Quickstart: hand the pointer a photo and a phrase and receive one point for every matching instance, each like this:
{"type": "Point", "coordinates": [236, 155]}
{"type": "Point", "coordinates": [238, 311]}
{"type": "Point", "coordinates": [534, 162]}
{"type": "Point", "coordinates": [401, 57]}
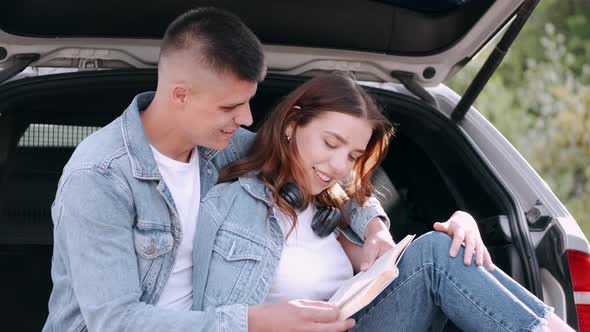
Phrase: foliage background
{"type": "Point", "coordinates": [539, 98]}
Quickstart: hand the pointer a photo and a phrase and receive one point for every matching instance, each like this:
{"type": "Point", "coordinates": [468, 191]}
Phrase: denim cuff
{"type": "Point", "coordinates": [233, 318]}
{"type": "Point", "coordinates": [359, 217]}
{"type": "Point", "coordinates": [350, 235]}
{"type": "Point", "coordinates": [541, 321]}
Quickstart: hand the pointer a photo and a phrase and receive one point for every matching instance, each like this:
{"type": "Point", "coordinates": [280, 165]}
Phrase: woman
{"type": "Point", "coordinates": [272, 242]}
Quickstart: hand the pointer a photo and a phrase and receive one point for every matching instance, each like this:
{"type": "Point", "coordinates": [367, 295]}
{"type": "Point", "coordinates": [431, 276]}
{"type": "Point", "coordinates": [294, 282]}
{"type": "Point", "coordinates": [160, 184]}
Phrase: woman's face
{"type": "Point", "coordinates": [329, 147]}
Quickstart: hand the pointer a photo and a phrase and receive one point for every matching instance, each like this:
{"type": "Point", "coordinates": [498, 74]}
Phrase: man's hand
{"type": "Point", "coordinates": [378, 241]}
{"type": "Point", "coordinates": [297, 315]}
{"type": "Point", "coordinates": [463, 229]}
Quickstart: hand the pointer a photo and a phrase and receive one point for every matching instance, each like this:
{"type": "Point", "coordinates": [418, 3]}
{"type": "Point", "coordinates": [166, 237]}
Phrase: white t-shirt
{"type": "Point", "coordinates": [311, 267]}
{"type": "Point", "coordinates": [183, 181]}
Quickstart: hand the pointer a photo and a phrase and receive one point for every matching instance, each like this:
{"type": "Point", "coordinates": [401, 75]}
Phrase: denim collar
{"type": "Point", "coordinates": [252, 184]}
{"type": "Point", "coordinates": [142, 159]}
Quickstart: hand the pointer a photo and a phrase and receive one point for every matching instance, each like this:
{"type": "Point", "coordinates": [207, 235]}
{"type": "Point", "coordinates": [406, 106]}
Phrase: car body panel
{"type": "Point", "coordinates": [297, 55]}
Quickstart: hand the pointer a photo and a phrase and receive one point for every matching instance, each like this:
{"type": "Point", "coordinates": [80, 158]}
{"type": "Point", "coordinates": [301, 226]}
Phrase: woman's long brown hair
{"type": "Point", "coordinates": [276, 161]}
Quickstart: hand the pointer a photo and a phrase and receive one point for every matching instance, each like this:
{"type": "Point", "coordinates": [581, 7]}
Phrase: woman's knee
{"type": "Point", "coordinates": [438, 240]}
{"type": "Point", "coordinates": [433, 243]}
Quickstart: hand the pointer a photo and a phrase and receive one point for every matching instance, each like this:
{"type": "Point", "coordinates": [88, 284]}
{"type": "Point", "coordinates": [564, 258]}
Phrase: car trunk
{"type": "Point", "coordinates": [430, 171]}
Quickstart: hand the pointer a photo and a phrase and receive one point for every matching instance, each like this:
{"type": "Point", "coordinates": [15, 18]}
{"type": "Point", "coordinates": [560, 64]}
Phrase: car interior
{"type": "Point", "coordinates": [430, 171]}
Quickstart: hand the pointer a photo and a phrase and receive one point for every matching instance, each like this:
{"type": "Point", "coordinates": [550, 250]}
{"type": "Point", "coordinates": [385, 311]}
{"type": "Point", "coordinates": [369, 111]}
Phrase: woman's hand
{"type": "Point", "coordinates": [378, 241]}
{"type": "Point", "coordinates": [297, 315]}
{"type": "Point", "coordinates": [463, 229]}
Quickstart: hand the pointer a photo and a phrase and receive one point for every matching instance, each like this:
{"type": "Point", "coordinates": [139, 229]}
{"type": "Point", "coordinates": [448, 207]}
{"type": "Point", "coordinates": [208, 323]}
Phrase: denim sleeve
{"type": "Point", "coordinates": [94, 237]}
{"type": "Point", "coordinates": [360, 216]}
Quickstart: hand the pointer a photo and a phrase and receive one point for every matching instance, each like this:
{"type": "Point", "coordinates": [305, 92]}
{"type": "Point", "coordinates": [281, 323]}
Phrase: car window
{"type": "Point", "coordinates": [50, 135]}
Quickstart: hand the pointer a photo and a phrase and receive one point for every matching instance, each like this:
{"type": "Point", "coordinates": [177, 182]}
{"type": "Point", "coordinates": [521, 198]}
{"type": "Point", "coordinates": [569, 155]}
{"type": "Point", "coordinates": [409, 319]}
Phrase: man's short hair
{"type": "Point", "coordinates": [222, 39]}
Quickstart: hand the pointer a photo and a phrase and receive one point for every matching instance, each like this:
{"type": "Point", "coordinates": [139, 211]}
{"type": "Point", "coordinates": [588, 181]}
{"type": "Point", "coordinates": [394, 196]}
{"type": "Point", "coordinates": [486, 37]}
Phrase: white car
{"type": "Point", "coordinates": [70, 67]}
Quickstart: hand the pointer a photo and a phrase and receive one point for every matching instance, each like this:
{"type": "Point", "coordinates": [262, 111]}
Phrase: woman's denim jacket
{"type": "Point", "coordinates": [116, 234]}
{"type": "Point", "coordinates": [239, 243]}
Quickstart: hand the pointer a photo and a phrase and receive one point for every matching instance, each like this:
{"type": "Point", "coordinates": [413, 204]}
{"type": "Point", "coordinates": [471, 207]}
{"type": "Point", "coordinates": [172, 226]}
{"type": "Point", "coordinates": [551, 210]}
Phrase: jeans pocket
{"type": "Point", "coordinates": [235, 266]}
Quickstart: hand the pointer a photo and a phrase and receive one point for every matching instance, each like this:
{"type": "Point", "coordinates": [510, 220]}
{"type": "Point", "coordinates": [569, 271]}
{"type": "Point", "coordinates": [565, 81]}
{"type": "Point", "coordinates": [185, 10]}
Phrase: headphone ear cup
{"type": "Point", "coordinates": [292, 195]}
{"type": "Point", "coordinates": [319, 218]}
{"type": "Point", "coordinates": [325, 221]}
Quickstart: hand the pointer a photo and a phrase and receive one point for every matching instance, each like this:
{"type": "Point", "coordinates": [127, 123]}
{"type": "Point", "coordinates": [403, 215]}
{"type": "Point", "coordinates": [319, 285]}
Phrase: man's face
{"type": "Point", "coordinates": [217, 104]}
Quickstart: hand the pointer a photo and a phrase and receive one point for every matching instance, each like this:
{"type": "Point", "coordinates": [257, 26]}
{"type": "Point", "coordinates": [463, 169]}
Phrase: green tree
{"type": "Point", "coordinates": [540, 100]}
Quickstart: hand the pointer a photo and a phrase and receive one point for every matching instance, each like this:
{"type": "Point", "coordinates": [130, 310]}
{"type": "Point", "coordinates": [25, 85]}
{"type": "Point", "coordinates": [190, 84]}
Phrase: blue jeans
{"type": "Point", "coordinates": [433, 286]}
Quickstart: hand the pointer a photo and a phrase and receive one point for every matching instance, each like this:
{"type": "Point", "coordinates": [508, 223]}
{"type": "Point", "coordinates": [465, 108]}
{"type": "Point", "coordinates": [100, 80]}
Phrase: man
{"type": "Point", "coordinates": [126, 205]}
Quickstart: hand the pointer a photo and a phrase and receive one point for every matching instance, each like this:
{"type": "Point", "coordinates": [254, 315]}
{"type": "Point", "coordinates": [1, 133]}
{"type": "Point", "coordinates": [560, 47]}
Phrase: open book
{"type": "Point", "coordinates": [360, 290]}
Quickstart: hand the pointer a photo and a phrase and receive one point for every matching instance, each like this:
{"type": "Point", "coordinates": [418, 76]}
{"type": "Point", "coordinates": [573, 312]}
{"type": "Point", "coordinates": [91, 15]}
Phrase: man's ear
{"type": "Point", "coordinates": [179, 94]}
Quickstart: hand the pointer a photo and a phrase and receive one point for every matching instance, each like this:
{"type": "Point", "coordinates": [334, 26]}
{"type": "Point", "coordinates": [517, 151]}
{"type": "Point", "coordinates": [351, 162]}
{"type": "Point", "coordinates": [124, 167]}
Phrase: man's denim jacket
{"type": "Point", "coordinates": [116, 234]}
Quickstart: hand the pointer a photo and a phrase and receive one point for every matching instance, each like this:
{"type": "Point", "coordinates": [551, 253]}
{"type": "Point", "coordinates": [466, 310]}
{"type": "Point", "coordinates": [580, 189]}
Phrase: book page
{"type": "Point", "coordinates": [361, 289]}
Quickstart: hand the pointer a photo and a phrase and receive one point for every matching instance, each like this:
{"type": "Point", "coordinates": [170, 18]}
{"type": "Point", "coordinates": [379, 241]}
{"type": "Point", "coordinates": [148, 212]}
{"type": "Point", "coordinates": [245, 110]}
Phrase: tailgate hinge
{"type": "Point", "coordinates": [408, 81]}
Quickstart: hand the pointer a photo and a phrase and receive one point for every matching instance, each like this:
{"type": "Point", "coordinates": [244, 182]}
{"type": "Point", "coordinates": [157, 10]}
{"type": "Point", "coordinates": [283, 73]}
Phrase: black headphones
{"type": "Point", "coordinates": [324, 221]}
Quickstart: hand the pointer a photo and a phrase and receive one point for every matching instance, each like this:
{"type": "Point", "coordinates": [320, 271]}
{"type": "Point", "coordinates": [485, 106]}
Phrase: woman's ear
{"type": "Point", "coordinates": [289, 131]}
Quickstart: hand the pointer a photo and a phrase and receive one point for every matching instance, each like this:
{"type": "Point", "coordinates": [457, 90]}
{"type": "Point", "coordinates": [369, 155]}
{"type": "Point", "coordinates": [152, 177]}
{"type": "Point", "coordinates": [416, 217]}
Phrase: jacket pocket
{"type": "Point", "coordinates": [151, 242]}
{"type": "Point", "coordinates": [151, 245]}
{"type": "Point", "coordinates": [235, 267]}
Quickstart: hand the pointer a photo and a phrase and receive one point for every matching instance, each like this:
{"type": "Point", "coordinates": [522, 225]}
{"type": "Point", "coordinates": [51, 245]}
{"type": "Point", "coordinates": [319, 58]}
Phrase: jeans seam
{"type": "Point", "coordinates": [467, 297]}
